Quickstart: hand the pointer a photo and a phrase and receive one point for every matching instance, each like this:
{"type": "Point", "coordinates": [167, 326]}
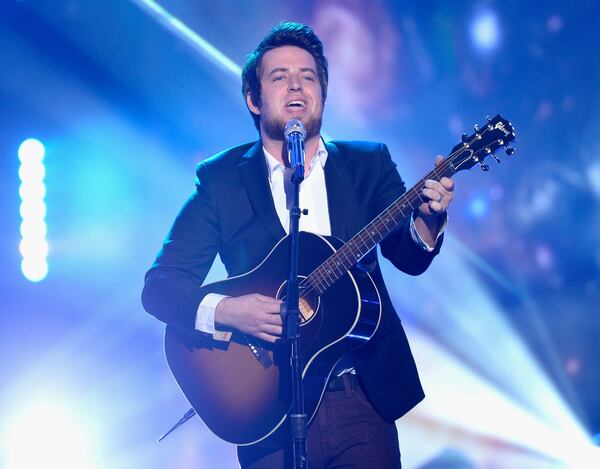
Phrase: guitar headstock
{"type": "Point", "coordinates": [496, 133]}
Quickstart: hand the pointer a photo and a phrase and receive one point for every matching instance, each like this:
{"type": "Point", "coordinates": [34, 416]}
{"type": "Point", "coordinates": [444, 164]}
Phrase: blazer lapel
{"type": "Point", "coordinates": [340, 198]}
{"type": "Point", "coordinates": [253, 170]}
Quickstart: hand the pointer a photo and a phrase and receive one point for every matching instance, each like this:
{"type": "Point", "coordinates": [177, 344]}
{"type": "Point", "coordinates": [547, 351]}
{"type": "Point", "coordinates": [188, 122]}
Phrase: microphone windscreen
{"type": "Point", "coordinates": [294, 126]}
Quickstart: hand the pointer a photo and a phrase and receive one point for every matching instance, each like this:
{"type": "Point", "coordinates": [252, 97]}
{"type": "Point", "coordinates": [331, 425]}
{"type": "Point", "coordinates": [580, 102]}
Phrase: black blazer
{"type": "Point", "coordinates": [232, 213]}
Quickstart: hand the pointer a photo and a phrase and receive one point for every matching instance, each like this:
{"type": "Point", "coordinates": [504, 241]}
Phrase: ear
{"type": "Point", "coordinates": [251, 104]}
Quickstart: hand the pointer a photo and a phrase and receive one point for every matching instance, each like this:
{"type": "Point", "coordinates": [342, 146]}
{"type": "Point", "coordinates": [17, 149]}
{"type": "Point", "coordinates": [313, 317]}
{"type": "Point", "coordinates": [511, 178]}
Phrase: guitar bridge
{"type": "Point", "coordinates": [259, 353]}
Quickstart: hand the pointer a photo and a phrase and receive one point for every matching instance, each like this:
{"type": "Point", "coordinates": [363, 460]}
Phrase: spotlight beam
{"type": "Point", "coordinates": [188, 36]}
{"type": "Point", "coordinates": [530, 306]}
{"type": "Point", "coordinates": [459, 397]}
{"type": "Point", "coordinates": [483, 358]}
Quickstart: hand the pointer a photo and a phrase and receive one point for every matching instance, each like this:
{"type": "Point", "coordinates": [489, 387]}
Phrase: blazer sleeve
{"type": "Point", "coordinates": [399, 247]}
{"type": "Point", "coordinates": [172, 289]}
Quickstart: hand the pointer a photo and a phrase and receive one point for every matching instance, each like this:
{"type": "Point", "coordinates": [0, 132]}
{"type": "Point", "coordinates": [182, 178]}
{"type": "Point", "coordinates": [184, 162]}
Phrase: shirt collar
{"type": "Point", "coordinates": [273, 164]}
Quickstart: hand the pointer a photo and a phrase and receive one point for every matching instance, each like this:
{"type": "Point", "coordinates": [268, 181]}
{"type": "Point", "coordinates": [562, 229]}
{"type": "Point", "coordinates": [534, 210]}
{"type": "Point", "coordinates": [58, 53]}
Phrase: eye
{"type": "Point", "coordinates": [308, 77]}
{"type": "Point", "coordinates": [278, 78]}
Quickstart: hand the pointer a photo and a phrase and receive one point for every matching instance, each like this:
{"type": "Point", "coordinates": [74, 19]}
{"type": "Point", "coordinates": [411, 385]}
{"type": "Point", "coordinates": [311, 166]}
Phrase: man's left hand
{"type": "Point", "coordinates": [431, 213]}
{"type": "Point", "coordinates": [437, 195]}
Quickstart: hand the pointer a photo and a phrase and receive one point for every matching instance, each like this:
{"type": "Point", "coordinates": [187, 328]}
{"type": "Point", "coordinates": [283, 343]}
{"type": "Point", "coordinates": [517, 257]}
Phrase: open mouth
{"type": "Point", "coordinates": [296, 104]}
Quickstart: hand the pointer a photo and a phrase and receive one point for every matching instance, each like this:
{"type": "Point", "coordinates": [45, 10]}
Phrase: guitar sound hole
{"type": "Point", "coordinates": [309, 302]}
{"type": "Point", "coordinates": [306, 311]}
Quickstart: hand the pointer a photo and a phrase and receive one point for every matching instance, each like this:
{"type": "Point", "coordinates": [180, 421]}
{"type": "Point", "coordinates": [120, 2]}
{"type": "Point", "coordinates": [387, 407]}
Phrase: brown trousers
{"type": "Point", "coordinates": [345, 433]}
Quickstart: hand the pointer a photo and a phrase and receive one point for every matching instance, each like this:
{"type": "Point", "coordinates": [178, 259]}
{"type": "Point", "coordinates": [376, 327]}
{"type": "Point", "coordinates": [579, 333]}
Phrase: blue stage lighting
{"type": "Point", "coordinates": [478, 207]}
{"type": "Point", "coordinates": [32, 169]}
{"type": "Point", "coordinates": [46, 435]}
{"type": "Point", "coordinates": [34, 270]}
{"type": "Point", "coordinates": [35, 247]}
{"type": "Point", "coordinates": [32, 191]}
{"type": "Point", "coordinates": [32, 227]}
{"type": "Point", "coordinates": [593, 174]}
{"type": "Point", "coordinates": [31, 150]}
{"type": "Point", "coordinates": [188, 36]}
{"type": "Point", "coordinates": [32, 209]}
{"type": "Point", "coordinates": [485, 31]}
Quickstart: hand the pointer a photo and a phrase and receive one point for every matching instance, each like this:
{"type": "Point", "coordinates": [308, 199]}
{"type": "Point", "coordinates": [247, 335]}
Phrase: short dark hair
{"type": "Point", "coordinates": [282, 34]}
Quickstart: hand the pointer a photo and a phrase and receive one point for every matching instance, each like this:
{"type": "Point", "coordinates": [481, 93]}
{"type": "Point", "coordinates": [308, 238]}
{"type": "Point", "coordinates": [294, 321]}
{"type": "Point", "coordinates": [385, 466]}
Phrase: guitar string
{"type": "Point", "coordinates": [407, 197]}
{"type": "Point", "coordinates": [393, 211]}
{"type": "Point", "coordinates": [372, 231]}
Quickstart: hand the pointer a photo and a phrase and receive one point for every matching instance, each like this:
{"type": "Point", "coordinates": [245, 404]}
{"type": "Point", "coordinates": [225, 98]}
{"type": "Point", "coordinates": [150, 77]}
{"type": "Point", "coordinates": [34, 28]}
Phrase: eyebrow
{"type": "Point", "coordinates": [285, 69]}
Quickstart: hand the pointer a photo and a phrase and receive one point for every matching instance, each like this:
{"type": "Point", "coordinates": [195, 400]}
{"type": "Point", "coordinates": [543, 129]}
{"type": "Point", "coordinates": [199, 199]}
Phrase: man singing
{"type": "Point", "coordinates": [240, 210]}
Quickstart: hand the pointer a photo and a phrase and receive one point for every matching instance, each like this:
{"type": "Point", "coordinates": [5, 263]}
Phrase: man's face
{"type": "Point", "coordinates": [290, 89]}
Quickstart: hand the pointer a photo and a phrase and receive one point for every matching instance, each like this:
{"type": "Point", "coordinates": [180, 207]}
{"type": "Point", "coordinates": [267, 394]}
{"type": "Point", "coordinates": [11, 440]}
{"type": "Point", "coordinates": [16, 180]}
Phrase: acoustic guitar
{"type": "Point", "coordinates": [241, 389]}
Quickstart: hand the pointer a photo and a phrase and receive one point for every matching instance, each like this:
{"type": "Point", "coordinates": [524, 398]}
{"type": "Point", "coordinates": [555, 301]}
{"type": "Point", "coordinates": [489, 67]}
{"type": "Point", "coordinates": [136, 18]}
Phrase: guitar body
{"type": "Point", "coordinates": [241, 389]}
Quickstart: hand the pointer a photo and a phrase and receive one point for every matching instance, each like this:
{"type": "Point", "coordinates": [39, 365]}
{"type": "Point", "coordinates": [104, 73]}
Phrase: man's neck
{"type": "Point", "coordinates": [278, 149]}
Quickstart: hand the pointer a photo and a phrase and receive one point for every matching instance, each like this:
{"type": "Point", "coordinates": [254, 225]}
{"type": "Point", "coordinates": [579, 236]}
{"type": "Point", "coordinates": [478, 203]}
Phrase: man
{"type": "Point", "coordinates": [239, 210]}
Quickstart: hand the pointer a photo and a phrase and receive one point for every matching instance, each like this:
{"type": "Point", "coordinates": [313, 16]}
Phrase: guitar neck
{"type": "Point", "coordinates": [378, 229]}
{"type": "Point", "coordinates": [473, 149]}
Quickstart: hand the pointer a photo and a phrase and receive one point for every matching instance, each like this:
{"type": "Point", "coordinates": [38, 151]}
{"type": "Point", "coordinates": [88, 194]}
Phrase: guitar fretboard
{"type": "Point", "coordinates": [496, 133]}
{"type": "Point", "coordinates": [366, 239]}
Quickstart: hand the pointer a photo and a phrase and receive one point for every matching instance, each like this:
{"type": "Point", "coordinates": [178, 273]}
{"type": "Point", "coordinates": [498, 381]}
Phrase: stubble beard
{"type": "Point", "coordinates": [274, 128]}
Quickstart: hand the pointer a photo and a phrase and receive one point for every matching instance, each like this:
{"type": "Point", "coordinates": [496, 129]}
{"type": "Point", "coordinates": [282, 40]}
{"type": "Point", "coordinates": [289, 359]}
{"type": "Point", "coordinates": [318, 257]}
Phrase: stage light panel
{"type": "Point", "coordinates": [32, 191]}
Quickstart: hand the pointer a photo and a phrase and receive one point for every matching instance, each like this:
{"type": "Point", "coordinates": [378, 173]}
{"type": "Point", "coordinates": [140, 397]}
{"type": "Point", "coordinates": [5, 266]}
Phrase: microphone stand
{"type": "Point", "coordinates": [297, 416]}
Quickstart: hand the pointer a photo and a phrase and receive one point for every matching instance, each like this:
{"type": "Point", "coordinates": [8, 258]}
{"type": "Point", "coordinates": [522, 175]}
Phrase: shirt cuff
{"type": "Point", "coordinates": [205, 317]}
{"type": "Point", "coordinates": [417, 237]}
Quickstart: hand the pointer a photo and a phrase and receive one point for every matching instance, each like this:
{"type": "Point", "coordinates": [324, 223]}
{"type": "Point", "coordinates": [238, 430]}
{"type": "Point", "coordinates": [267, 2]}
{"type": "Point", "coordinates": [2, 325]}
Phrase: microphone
{"type": "Point", "coordinates": [294, 135]}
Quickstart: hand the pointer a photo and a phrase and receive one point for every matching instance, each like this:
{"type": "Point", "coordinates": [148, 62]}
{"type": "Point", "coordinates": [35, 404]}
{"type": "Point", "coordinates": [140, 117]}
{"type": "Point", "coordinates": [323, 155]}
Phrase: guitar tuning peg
{"type": "Point", "coordinates": [484, 167]}
{"type": "Point", "coordinates": [496, 157]}
{"type": "Point", "coordinates": [476, 127]}
{"type": "Point", "coordinates": [488, 118]}
{"type": "Point", "coordinates": [510, 151]}
{"type": "Point", "coordinates": [464, 138]}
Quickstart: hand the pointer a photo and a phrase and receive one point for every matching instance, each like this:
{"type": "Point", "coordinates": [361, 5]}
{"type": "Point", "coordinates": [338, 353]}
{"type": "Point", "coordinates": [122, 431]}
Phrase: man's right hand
{"type": "Point", "coordinates": [254, 314]}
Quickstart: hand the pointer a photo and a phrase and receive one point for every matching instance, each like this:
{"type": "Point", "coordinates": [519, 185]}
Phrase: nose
{"type": "Point", "coordinates": [294, 84]}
